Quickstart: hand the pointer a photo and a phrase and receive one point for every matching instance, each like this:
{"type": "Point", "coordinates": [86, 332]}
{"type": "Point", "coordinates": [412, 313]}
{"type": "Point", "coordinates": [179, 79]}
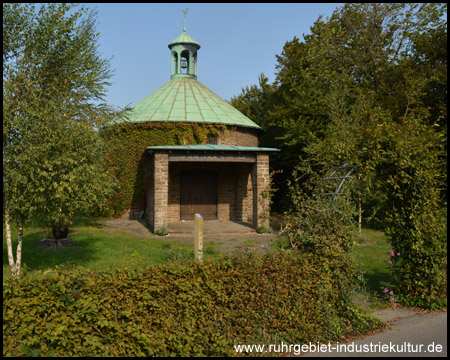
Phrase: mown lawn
{"type": "Point", "coordinates": [99, 251]}
{"type": "Point", "coordinates": [96, 249]}
{"type": "Point", "coordinates": [371, 254]}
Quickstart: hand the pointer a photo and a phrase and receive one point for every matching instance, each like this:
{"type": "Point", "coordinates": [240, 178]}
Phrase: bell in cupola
{"type": "Point", "coordinates": [184, 55]}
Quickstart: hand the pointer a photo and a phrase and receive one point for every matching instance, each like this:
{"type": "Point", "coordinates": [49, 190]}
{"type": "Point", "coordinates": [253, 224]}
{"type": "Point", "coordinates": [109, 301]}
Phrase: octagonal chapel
{"type": "Point", "coordinates": [225, 178]}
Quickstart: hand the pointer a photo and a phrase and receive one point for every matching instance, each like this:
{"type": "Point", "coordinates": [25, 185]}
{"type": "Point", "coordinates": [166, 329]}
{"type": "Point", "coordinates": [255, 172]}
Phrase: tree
{"type": "Point", "coordinates": [368, 86]}
{"type": "Point", "coordinates": [54, 82]}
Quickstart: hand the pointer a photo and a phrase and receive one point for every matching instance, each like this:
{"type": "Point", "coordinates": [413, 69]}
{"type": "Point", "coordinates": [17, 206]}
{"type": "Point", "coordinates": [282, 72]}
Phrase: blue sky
{"type": "Point", "coordinates": [238, 42]}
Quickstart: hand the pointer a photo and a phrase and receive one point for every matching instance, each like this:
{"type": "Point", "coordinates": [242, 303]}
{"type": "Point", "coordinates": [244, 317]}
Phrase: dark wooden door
{"type": "Point", "coordinates": [198, 194]}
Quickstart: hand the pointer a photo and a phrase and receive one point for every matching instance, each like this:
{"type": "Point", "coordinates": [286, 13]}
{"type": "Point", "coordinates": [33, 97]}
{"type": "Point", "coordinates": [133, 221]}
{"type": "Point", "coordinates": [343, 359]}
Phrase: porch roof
{"type": "Point", "coordinates": [211, 153]}
{"type": "Point", "coordinates": [210, 147]}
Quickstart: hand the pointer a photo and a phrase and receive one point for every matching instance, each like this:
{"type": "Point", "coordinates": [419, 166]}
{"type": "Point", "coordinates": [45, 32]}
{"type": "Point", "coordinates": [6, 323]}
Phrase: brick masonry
{"type": "Point", "coordinates": [238, 137]}
{"type": "Point", "coordinates": [160, 191]}
{"type": "Point", "coordinates": [261, 180]}
{"type": "Point", "coordinates": [241, 186]}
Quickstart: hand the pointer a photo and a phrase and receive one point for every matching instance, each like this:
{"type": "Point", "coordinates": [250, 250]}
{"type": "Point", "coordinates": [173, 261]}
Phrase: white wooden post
{"type": "Point", "coordinates": [198, 241]}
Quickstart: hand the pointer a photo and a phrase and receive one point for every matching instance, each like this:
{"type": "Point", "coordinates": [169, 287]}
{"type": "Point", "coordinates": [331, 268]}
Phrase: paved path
{"type": "Point", "coordinates": [227, 236]}
{"type": "Point", "coordinates": [411, 334]}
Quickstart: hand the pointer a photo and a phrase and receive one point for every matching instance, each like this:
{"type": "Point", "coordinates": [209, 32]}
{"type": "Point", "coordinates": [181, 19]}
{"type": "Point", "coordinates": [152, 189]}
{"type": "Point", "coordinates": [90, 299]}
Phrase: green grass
{"type": "Point", "coordinates": [371, 254]}
{"type": "Point", "coordinates": [97, 250]}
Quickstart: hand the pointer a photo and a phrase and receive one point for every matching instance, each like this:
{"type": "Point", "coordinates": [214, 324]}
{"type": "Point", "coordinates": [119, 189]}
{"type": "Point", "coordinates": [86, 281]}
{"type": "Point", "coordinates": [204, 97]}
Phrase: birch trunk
{"type": "Point", "coordinates": [13, 265]}
{"type": "Point", "coordinates": [19, 248]}
{"type": "Point", "coordinates": [359, 210]}
{"type": "Point", "coordinates": [360, 215]}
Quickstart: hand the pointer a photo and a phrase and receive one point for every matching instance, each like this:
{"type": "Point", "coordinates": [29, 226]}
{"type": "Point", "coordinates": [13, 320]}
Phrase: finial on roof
{"type": "Point", "coordinates": [185, 13]}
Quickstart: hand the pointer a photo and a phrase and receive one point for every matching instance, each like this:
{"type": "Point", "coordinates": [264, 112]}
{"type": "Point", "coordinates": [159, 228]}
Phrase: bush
{"type": "Point", "coordinates": [180, 310]}
{"type": "Point", "coordinates": [418, 264]}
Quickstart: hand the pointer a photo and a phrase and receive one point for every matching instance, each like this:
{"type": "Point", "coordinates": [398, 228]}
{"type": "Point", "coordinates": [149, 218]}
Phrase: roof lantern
{"type": "Point", "coordinates": [183, 98]}
{"type": "Point", "coordinates": [184, 55]}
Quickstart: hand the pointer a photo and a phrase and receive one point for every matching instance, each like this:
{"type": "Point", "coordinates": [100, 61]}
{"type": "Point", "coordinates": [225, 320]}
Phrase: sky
{"type": "Point", "coordinates": [238, 42]}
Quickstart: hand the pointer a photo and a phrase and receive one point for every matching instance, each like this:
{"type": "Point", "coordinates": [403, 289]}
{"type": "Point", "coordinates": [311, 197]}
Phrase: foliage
{"type": "Point", "coordinates": [319, 224]}
{"type": "Point", "coordinates": [368, 86]}
{"type": "Point", "coordinates": [162, 231]}
{"type": "Point", "coordinates": [264, 230]}
{"type": "Point", "coordinates": [127, 159]}
{"type": "Point", "coordinates": [180, 310]}
{"type": "Point", "coordinates": [53, 85]}
{"type": "Point", "coordinates": [378, 56]}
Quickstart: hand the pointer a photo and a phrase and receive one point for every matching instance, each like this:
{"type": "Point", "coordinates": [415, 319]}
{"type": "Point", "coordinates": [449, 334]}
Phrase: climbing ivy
{"type": "Point", "coordinates": [127, 144]}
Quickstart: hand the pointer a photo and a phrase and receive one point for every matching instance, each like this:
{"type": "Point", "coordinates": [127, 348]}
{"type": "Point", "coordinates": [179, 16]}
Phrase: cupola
{"type": "Point", "coordinates": [184, 55]}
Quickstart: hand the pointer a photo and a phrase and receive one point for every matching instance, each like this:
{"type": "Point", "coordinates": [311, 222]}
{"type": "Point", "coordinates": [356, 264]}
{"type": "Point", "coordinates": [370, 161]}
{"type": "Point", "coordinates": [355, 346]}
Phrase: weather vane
{"type": "Point", "coordinates": [185, 13]}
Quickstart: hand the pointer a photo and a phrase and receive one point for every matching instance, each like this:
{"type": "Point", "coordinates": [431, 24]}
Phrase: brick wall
{"type": "Point", "coordinates": [238, 137]}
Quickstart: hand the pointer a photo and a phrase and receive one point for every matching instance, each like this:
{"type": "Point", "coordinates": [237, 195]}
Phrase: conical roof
{"type": "Point", "coordinates": [183, 98]}
{"type": "Point", "coordinates": [184, 38]}
{"type": "Point", "coordinates": [187, 100]}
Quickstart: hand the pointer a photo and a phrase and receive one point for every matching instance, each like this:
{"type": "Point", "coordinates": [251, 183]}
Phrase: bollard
{"type": "Point", "coordinates": [198, 238]}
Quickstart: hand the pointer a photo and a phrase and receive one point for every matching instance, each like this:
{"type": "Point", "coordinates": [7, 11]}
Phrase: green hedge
{"type": "Point", "coordinates": [181, 309]}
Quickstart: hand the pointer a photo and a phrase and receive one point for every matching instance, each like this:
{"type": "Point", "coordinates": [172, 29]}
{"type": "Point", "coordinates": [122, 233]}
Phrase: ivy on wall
{"type": "Point", "coordinates": [129, 162]}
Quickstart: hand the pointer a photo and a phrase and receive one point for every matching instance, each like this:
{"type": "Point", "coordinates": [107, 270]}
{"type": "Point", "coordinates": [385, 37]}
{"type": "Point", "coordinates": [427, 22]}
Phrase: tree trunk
{"type": "Point", "coordinates": [19, 248]}
{"type": "Point", "coordinates": [13, 265]}
{"type": "Point", "coordinates": [360, 215]}
{"type": "Point", "coordinates": [359, 210]}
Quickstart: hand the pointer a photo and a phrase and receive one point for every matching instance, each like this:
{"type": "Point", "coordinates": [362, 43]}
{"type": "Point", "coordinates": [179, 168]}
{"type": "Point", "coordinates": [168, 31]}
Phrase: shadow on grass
{"type": "Point", "coordinates": [37, 257]}
{"type": "Point", "coordinates": [371, 254]}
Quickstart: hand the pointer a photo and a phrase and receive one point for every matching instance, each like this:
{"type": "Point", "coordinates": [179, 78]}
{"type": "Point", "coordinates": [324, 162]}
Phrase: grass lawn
{"type": "Point", "coordinates": [371, 254]}
{"type": "Point", "coordinates": [99, 250]}
{"type": "Point", "coordinates": [96, 249]}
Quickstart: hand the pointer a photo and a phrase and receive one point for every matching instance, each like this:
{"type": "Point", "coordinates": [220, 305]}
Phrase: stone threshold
{"type": "Point", "coordinates": [212, 227]}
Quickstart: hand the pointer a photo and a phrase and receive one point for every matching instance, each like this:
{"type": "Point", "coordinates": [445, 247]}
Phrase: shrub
{"type": "Point", "coordinates": [418, 264]}
{"type": "Point", "coordinates": [180, 309]}
{"type": "Point", "coordinates": [162, 231]}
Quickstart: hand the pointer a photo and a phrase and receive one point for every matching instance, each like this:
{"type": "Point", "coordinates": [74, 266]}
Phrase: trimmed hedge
{"type": "Point", "coordinates": [181, 309]}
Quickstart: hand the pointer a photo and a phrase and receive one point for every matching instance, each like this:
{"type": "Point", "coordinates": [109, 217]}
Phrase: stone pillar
{"type": "Point", "coordinates": [160, 190]}
{"type": "Point", "coordinates": [260, 181]}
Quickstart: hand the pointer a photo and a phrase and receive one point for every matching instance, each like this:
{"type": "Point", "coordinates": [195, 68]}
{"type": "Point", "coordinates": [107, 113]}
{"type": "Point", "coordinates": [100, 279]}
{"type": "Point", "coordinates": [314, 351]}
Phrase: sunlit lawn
{"type": "Point", "coordinates": [371, 254]}
{"type": "Point", "coordinates": [96, 249]}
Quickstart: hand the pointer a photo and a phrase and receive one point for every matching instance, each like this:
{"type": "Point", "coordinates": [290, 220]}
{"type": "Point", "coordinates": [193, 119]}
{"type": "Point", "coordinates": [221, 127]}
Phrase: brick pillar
{"type": "Point", "coordinates": [260, 181]}
{"type": "Point", "coordinates": [244, 194]}
{"type": "Point", "coordinates": [160, 190]}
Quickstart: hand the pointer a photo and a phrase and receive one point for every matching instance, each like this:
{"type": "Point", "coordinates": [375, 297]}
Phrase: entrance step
{"type": "Point", "coordinates": [211, 227]}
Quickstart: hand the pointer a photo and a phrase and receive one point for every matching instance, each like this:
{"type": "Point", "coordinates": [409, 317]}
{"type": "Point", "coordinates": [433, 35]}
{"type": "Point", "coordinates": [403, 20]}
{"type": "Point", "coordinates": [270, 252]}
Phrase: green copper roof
{"type": "Point", "coordinates": [187, 100]}
{"type": "Point", "coordinates": [184, 38]}
{"type": "Point", "coordinates": [209, 147]}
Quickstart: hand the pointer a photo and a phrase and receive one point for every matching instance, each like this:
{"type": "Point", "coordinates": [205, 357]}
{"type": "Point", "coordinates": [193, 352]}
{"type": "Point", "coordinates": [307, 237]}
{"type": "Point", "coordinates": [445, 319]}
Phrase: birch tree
{"type": "Point", "coordinates": [54, 83]}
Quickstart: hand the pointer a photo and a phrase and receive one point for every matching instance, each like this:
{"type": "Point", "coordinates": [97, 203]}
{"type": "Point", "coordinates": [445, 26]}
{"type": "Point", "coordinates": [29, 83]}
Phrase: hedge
{"type": "Point", "coordinates": [181, 309]}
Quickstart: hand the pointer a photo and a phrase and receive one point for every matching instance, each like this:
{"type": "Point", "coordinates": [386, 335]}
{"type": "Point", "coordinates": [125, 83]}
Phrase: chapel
{"type": "Point", "coordinates": [224, 178]}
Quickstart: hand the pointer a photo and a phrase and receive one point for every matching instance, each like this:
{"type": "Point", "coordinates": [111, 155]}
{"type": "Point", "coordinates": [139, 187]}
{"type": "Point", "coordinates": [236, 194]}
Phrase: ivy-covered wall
{"type": "Point", "coordinates": [130, 165]}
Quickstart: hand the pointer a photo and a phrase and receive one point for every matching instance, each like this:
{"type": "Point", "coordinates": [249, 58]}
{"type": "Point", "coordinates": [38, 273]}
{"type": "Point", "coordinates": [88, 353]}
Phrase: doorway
{"type": "Point", "coordinates": [198, 194]}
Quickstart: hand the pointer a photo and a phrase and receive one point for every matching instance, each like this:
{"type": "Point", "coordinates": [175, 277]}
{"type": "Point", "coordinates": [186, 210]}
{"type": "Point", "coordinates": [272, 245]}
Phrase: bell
{"type": "Point", "coordinates": [183, 64]}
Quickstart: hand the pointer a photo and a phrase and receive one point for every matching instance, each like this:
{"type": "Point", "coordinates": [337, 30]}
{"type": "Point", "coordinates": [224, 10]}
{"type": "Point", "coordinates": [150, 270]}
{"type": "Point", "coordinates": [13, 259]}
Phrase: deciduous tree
{"type": "Point", "coordinates": [54, 83]}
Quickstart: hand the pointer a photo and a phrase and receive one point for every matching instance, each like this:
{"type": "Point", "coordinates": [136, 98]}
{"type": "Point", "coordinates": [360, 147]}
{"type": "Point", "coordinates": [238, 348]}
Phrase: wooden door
{"type": "Point", "coordinates": [198, 194]}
